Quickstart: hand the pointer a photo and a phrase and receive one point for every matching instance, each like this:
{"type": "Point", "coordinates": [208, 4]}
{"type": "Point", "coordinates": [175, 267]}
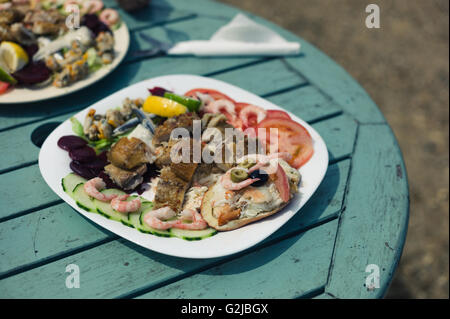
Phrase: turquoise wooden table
{"type": "Point", "coordinates": [347, 239]}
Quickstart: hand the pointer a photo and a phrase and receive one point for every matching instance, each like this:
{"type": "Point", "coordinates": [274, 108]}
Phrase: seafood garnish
{"type": "Point", "coordinates": [83, 35]}
{"type": "Point", "coordinates": [192, 197]}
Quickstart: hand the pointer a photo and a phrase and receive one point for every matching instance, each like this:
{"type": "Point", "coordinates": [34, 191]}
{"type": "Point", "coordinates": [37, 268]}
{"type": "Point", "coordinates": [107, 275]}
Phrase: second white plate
{"type": "Point", "coordinates": [27, 95]}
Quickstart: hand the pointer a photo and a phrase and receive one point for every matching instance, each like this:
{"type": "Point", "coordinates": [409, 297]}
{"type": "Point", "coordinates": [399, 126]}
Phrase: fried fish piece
{"type": "Point", "coordinates": [162, 132]}
{"type": "Point", "coordinates": [170, 190]}
{"type": "Point", "coordinates": [129, 153]}
{"type": "Point", "coordinates": [126, 179]}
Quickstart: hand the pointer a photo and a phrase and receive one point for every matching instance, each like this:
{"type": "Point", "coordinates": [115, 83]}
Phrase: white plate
{"type": "Point", "coordinates": [26, 95]}
{"type": "Point", "coordinates": [54, 165]}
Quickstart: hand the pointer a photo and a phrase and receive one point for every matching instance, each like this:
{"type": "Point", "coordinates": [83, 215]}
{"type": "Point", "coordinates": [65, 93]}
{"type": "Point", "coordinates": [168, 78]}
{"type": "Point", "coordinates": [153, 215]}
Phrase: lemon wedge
{"type": "Point", "coordinates": [13, 56]}
{"type": "Point", "coordinates": [163, 107]}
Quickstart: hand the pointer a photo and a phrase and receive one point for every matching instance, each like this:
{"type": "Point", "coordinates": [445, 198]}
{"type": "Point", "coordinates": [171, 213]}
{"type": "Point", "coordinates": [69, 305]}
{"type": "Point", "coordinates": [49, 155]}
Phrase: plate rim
{"type": "Point", "coordinates": [96, 77]}
{"type": "Point", "coordinates": [104, 223]}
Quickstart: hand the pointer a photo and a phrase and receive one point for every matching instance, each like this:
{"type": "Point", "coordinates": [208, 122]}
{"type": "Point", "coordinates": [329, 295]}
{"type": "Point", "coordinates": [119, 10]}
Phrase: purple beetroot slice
{"type": "Point", "coordinates": [71, 142]}
{"type": "Point", "coordinates": [81, 170]}
{"type": "Point", "coordinates": [32, 73]}
{"type": "Point", "coordinates": [96, 164]}
{"type": "Point", "coordinates": [83, 154]}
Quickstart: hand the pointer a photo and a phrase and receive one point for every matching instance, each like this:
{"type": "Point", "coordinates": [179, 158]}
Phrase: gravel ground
{"type": "Point", "coordinates": [404, 66]}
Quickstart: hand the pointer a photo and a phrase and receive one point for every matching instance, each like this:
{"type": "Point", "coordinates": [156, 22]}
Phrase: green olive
{"type": "Point", "coordinates": [247, 163]}
{"type": "Point", "coordinates": [238, 175]}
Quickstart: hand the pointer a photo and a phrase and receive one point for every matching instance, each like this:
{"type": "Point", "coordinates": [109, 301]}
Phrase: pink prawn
{"type": "Point", "coordinates": [227, 183]}
{"type": "Point", "coordinates": [218, 105]}
{"type": "Point", "coordinates": [93, 188]}
{"type": "Point", "coordinates": [206, 99]}
{"type": "Point", "coordinates": [196, 220]}
{"type": "Point", "coordinates": [109, 16]}
{"type": "Point", "coordinates": [252, 109]}
{"type": "Point", "coordinates": [158, 218]}
{"type": "Point", "coordinates": [121, 204]}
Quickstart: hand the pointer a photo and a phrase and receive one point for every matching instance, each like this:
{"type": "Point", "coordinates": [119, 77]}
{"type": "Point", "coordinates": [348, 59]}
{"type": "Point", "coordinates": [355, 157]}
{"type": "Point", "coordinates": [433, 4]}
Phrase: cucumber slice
{"type": "Point", "coordinates": [193, 234]}
{"type": "Point", "coordinates": [69, 182]}
{"type": "Point", "coordinates": [134, 218]}
{"type": "Point", "coordinates": [144, 228]}
{"type": "Point", "coordinates": [105, 209]}
{"type": "Point", "coordinates": [82, 199]}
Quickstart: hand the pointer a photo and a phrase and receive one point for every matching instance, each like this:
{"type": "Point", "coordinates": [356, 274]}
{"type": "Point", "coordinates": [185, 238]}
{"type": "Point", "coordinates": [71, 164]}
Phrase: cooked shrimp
{"type": "Point", "coordinates": [196, 221]}
{"type": "Point", "coordinates": [216, 106]}
{"type": "Point", "coordinates": [93, 188]}
{"type": "Point", "coordinates": [109, 16]}
{"type": "Point", "coordinates": [252, 109]}
{"type": "Point", "coordinates": [206, 99]}
{"type": "Point", "coordinates": [121, 204]}
{"type": "Point", "coordinates": [158, 218]}
{"type": "Point", "coordinates": [227, 183]}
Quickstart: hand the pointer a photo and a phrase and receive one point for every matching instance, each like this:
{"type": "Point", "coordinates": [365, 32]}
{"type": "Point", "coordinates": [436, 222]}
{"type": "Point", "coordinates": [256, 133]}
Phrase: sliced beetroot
{"type": "Point", "coordinates": [31, 49]}
{"type": "Point", "coordinates": [32, 73]}
{"type": "Point", "coordinates": [71, 142]}
{"type": "Point", "coordinates": [83, 154]}
{"type": "Point", "coordinates": [94, 24]}
{"type": "Point", "coordinates": [103, 156]}
{"type": "Point", "coordinates": [96, 164]}
{"type": "Point", "coordinates": [82, 170]}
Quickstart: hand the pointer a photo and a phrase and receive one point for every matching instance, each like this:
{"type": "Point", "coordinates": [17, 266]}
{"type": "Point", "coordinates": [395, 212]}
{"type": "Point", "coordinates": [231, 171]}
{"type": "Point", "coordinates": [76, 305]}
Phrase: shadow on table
{"type": "Point", "coordinates": [314, 213]}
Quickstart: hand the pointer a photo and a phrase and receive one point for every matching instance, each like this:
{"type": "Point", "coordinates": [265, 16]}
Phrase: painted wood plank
{"type": "Point", "coordinates": [23, 151]}
{"type": "Point", "coordinates": [112, 270]}
{"type": "Point", "coordinates": [323, 296]}
{"type": "Point", "coordinates": [288, 269]}
{"type": "Point", "coordinates": [331, 78]}
{"type": "Point", "coordinates": [306, 102]}
{"type": "Point", "coordinates": [61, 230]}
{"type": "Point", "coordinates": [22, 190]}
{"type": "Point", "coordinates": [338, 132]}
{"type": "Point", "coordinates": [38, 236]}
{"type": "Point", "coordinates": [373, 225]}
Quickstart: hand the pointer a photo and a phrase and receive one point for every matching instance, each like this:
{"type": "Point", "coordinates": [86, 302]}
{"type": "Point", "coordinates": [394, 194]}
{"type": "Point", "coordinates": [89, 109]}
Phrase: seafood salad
{"type": "Point", "coordinates": [54, 42]}
{"type": "Point", "coordinates": [167, 165]}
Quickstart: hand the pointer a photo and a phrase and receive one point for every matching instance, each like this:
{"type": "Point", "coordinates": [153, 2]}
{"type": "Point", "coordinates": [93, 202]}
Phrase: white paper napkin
{"type": "Point", "coordinates": [240, 37]}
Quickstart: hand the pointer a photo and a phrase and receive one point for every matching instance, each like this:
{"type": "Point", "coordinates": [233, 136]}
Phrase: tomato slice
{"type": "Point", "coordinates": [216, 95]}
{"type": "Point", "coordinates": [3, 87]}
{"type": "Point", "coordinates": [278, 114]}
{"type": "Point", "coordinates": [292, 138]}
